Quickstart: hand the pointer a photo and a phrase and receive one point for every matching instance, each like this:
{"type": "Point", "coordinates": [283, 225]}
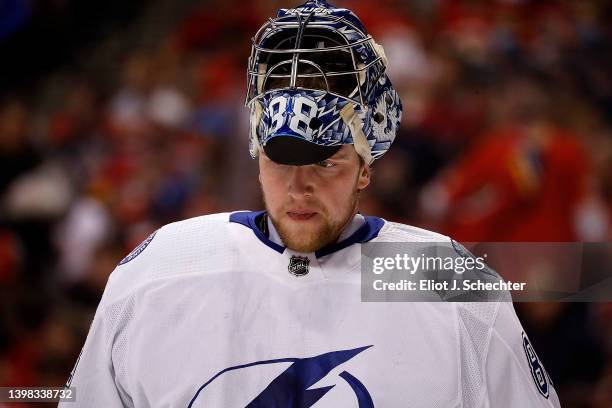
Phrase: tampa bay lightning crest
{"type": "Point", "coordinates": [293, 387]}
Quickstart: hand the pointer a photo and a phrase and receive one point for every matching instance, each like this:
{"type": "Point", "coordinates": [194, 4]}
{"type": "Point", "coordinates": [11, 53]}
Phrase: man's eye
{"type": "Point", "coordinates": [326, 164]}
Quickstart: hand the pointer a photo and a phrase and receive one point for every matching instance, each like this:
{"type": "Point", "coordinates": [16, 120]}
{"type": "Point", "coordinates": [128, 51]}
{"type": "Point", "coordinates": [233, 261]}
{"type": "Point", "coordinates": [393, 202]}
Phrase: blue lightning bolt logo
{"type": "Point", "coordinates": [291, 389]}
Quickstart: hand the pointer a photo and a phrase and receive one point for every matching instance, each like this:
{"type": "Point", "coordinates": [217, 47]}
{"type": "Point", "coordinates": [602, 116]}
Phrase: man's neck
{"type": "Point", "coordinates": [353, 225]}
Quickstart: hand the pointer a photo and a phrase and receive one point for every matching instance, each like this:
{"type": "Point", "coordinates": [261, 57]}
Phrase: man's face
{"type": "Point", "coordinates": [310, 205]}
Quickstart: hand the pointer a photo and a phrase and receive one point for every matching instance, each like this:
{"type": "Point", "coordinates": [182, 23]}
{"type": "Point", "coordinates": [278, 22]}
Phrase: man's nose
{"type": "Point", "coordinates": [300, 181]}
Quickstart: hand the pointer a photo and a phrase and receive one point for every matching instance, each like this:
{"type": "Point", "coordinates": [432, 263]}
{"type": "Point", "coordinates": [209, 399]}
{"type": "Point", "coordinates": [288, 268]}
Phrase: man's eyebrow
{"type": "Point", "coordinates": [340, 154]}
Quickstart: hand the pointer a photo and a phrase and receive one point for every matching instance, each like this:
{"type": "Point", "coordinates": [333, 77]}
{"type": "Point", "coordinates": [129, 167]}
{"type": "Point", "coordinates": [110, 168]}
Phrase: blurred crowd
{"type": "Point", "coordinates": [506, 136]}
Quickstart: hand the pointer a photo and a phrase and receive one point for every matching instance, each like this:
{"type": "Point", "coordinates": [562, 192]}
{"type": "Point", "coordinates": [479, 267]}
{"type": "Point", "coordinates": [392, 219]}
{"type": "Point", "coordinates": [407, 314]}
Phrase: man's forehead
{"type": "Point", "coordinates": [345, 151]}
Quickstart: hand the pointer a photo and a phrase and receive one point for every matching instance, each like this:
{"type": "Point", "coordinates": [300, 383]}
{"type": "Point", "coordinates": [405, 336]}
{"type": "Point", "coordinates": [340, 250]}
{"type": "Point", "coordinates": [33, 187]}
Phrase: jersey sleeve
{"type": "Point", "coordinates": [96, 374]}
{"type": "Point", "coordinates": [514, 375]}
{"type": "Point", "coordinates": [100, 377]}
{"type": "Point", "coordinates": [105, 374]}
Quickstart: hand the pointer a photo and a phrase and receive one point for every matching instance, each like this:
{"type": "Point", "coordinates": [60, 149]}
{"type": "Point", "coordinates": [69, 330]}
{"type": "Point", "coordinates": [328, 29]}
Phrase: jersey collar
{"type": "Point", "coordinates": [368, 231]}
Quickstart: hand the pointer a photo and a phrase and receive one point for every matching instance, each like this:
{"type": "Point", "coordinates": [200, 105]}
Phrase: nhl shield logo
{"type": "Point", "coordinates": [298, 265]}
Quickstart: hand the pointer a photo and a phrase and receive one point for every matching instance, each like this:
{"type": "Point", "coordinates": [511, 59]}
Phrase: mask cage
{"type": "Point", "coordinates": [313, 53]}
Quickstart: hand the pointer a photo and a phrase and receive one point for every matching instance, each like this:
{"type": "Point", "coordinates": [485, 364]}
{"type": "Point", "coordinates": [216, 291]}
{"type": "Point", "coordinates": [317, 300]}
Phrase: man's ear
{"type": "Point", "coordinates": [365, 174]}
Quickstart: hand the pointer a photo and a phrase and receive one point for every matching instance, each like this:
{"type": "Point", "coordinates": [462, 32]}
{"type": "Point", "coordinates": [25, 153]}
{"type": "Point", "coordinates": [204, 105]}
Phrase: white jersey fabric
{"type": "Point", "coordinates": [205, 313]}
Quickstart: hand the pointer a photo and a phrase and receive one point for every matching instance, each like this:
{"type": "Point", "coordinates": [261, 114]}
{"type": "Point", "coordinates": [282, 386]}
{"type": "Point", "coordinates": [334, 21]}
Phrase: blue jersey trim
{"type": "Point", "coordinates": [247, 218]}
{"type": "Point", "coordinates": [368, 231]}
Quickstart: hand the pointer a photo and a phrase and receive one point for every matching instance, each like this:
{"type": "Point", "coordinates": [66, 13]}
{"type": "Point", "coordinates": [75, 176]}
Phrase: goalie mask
{"type": "Point", "coordinates": [316, 81]}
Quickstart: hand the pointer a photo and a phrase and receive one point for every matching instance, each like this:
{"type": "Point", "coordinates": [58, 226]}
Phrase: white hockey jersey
{"type": "Point", "coordinates": [205, 313]}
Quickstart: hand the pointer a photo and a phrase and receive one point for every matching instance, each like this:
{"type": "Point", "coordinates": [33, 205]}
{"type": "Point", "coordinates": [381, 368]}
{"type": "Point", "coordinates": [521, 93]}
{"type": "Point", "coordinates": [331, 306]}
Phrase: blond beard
{"type": "Point", "coordinates": [310, 241]}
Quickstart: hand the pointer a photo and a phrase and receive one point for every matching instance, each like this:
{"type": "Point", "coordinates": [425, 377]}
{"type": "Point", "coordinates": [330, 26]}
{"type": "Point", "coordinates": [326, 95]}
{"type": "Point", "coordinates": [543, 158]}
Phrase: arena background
{"type": "Point", "coordinates": [118, 117]}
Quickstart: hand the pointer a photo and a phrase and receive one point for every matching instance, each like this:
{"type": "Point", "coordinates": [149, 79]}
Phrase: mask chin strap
{"type": "Point", "coordinates": [263, 67]}
{"type": "Point", "coordinates": [355, 124]}
{"type": "Point", "coordinates": [256, 113]}
{"type": "Point", "coordinates": [380, 51]}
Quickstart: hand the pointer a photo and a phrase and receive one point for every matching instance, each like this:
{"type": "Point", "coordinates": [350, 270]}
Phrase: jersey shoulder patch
{"type": "Point", "coordinates": [538, 373]}
{"type": "Point", "coordinates": [181, 234]}
{"type": "Point", "coordinates": [138, 250]}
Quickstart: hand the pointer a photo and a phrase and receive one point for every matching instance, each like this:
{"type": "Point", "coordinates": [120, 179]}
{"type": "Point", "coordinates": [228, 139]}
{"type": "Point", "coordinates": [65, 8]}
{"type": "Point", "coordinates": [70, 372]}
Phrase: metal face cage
{"type": "Point", "coordinates": [314, 52]}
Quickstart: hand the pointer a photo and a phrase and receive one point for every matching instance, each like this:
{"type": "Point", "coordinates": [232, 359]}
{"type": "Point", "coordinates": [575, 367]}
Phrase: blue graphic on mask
{"type": "Point", "coordinates": [291, 388]}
